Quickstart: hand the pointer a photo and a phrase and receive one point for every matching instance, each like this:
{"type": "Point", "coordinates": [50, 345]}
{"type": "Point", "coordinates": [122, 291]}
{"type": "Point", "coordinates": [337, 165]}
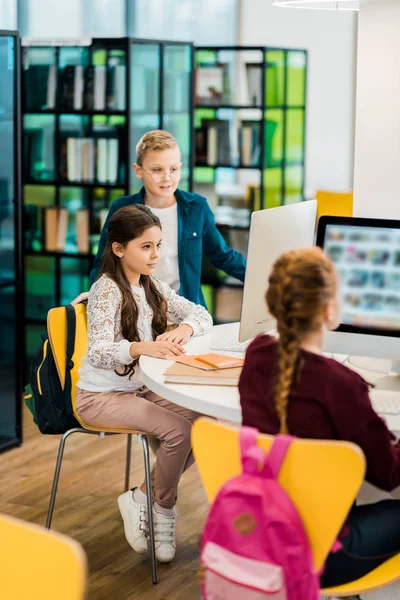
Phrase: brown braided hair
{"type": "Point", "coordinates": [129, 223]}
{"type": "Point", "coordinates": [301, 284]}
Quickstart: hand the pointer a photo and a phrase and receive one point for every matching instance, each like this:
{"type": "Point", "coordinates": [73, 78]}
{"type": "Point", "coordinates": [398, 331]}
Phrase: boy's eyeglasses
{"type": "Point", "coordinates": [160, 175]}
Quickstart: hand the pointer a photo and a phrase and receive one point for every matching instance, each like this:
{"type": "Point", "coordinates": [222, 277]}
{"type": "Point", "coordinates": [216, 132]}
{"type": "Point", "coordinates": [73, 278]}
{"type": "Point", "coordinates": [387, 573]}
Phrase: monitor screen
{"type": "Point", "coordinates": [366, 254]}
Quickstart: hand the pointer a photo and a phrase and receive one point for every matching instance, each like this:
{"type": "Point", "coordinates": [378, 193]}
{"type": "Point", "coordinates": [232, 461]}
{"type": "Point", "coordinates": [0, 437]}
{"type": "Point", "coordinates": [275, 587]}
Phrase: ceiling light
{"type": "Point", "coordinates": [319, 4]}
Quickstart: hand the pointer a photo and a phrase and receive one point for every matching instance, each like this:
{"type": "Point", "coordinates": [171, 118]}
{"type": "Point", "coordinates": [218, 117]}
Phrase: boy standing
{"type": "Point", "coordinates": [187, 221]}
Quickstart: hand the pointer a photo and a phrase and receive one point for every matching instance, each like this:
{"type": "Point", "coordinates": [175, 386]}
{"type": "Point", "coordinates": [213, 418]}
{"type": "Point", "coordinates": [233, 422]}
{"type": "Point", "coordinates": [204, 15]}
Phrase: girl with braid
{"type": "Point", "coordinates": [289, 386]}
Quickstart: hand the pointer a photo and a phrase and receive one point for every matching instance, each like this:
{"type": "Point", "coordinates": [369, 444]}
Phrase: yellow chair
{"type": "Point", "coordinates": [322, 478]}
{"type": "Point", "coordinates": [57, 332]}
{"type": "Point", "coordinates": [37, 564]}
{"type": "Point", "coordinates": [336, 204]}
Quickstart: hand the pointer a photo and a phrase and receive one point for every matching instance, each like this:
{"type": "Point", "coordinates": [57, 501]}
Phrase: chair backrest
{"type": "Point", "coordinates": [57, 331]}
{"type": "Point", "coordinates": [39, 564]}
{"type": "Point", "coordinates": [321, 477]}
{"type": "Point", "coordinates": [335, 204]}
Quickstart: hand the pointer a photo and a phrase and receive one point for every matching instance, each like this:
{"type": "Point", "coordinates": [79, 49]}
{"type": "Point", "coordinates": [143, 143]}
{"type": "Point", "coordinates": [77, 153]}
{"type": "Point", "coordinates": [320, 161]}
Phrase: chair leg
{"type": "Point", "coordinates": [58, 469]}
{"type": "Point", "coordinates": [146, 454]}
{"type": "Point", "coordinates": [128, 461]}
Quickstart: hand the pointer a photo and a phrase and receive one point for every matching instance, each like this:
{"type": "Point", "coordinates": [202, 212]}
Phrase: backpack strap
{"type": "Point", "coordinates": [71, 330]}
{"type": "Point", "coordinates": [276, 455]}
{"type": "Point", "coordinates": [252, 456]}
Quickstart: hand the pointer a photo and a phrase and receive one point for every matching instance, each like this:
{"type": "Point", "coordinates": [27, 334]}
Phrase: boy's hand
{"type": "Point", "coordinates": [180, 335]}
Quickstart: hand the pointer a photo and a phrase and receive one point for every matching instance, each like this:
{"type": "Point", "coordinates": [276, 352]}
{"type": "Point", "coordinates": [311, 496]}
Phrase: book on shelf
{"type": "Point", "coordinates": [82, 230]}
{"type": "Point", "coordinates": [75, 87]}
{"type": "Point", "coordinates": [210, 361]}
{"type": "Point", "coordinates": [180, 373]}
{"type": "Point", "coordinates": [249, 143]}
{"type": "Point", "coordinates": [214, 142]}
{"type": "Point", "coordinates": [254, 83]}
{"type": "Point", "coordinates": [55, 228]}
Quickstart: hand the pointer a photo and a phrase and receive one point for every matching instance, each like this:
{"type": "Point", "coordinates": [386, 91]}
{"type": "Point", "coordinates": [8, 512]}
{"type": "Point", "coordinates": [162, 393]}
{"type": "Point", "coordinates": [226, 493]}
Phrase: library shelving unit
{"type": "Point", "coordinates": [85, 106]}
{"type": "Point", "coordinates": [250, 117]}
{"type": "Point", "coordinates": [11, 244]}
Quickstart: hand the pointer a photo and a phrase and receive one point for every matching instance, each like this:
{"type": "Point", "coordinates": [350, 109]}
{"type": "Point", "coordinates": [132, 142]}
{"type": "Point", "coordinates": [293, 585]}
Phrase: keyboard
{"type": "Point", "coordinates": [229, 344]}
{"type": "Point", "coordinates": [386, 406]}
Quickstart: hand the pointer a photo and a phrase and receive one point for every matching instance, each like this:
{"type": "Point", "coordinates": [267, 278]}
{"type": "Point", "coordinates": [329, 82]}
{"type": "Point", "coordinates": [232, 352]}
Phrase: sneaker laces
{"type": "Point", "coordinates": [164, 528]}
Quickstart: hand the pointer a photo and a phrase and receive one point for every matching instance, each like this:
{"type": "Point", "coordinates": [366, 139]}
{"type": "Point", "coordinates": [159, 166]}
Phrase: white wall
{"type": "Point", "coordinates": [330, 38]}
{"type": "Point", "coordinates": [377, 158]}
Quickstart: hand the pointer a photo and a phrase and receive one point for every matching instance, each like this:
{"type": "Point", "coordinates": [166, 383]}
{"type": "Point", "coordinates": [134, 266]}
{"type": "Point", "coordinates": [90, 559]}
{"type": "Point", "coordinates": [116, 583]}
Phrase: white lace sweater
{"type": "Point", "coordinates": [108, 350]}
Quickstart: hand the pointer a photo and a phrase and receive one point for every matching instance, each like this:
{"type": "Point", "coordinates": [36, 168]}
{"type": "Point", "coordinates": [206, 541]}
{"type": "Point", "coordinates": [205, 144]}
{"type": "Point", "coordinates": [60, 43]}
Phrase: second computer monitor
{"type": "Point", "coordinates": [272, 232]}
{"type": "Point", "coordinates": [366, 253]}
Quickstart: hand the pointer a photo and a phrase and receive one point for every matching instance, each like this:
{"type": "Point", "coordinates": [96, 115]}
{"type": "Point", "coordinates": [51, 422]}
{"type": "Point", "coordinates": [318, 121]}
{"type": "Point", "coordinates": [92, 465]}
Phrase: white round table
{"type": "Point", "coordinates": [221, 402]}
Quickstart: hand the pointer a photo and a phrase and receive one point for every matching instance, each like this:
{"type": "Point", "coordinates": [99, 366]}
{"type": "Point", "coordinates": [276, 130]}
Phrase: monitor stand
{"type": "Point", "coordinates": [389, 369]}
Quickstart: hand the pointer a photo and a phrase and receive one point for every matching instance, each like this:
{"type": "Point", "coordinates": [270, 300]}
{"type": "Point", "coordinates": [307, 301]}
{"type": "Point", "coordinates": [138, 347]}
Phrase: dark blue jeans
{"type": "Point", "coordinates": [374, 537]}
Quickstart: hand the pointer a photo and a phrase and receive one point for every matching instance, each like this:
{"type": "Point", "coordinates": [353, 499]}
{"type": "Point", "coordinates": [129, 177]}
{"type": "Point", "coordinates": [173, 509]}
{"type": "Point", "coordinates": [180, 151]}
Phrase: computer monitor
{"type": "Point", "coordinates": [272, 232]}
{"type": "Point", "coordinates": [366, 253]}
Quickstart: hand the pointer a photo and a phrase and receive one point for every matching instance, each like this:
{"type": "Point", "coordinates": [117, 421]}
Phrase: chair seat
{"type": "Point", "coordinates": [100, 429]}
{"type": "Point", "coordinates": [384, 575]}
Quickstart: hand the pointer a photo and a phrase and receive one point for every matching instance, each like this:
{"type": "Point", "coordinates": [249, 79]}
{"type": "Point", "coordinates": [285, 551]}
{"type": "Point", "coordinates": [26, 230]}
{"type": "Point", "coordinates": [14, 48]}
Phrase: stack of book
{"type": "Point", "coordinates": [205, 369]}
{"type": "Point", "coordinates": [90, 159]}
{"type": "Point", "coordinates": [76, 87]}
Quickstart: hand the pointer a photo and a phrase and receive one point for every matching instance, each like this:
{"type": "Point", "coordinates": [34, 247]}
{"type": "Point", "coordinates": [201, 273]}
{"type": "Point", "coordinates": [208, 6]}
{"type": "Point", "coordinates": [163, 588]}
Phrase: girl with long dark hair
{"type": "Point", "coordinates": [127, 311]}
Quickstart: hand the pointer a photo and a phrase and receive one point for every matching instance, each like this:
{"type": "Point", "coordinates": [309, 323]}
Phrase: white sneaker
{"type": "Point", "coordinates": [164, 535]}
{"type": "Point", "coordinates": [135, 520]}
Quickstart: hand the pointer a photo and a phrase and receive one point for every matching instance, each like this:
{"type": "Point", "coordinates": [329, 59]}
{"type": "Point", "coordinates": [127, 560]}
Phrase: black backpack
{"type": "Point", "coordinates": [51, 405]}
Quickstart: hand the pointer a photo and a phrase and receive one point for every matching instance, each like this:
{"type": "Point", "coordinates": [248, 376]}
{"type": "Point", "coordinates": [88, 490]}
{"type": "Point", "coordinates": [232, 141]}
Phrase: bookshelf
{"type": "Point", "coordinates": [85, 106]}
{"type": "Point", "coordinates": [250, 118]}
{"type": "Point", "coordinates": [11, 256]}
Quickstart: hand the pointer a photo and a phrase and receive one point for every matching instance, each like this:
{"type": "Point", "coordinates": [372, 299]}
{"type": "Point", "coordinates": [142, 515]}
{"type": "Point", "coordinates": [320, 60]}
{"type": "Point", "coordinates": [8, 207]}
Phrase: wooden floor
{"type": "Point", "coordinates": [86, 509]}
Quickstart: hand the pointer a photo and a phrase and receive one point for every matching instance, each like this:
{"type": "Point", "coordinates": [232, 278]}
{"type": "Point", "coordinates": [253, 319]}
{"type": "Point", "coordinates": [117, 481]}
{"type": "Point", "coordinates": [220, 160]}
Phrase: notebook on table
{"type": "Point", "coordinates": [210, 361]}
{"type": "Point", "coordinates": [181, 373]}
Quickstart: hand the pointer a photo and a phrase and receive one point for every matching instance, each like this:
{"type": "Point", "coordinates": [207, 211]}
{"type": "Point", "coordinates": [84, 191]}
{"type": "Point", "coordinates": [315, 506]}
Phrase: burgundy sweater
{"type": "Point", "coordinates": [328, 401]}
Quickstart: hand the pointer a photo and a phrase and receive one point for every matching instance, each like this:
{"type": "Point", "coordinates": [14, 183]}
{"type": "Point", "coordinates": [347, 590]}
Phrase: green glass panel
{"type": "Point", "coordinates": [206, 57]}
{"type": "Point", "coordinates": [73, 55]}
{"type": "Point", "coordinates": [296, 78]}
{"type": "Point", "coordinates": [294, 135]}
{"type": "Point", "coordinates": [39, 286]}
{"type": "Point", "coordinates": [208, 292]}
{"type": "Point", "coordinates": [177, 99]}
{"type": "Point", "coordinates": [75, 200]}
{"type": "Point", "coordinates": [273, 179]}
{"type": "Point", "coordinates": [39, 147]}
{"type": "Point", "coordinates": [36, 198]}
{"type": "Point", "coordinates": [145, 96]}
{"type": "Point", "coordinates": [102, 199]}
{"type": "Point", "coordinates": [294, 177]}
{"type": "Point", "coordinates": [204, 175]}
{"type": "Point", "coordinates": [203, 113]}
{"type": "Point", "coordinates": [99, 56]}
{"type": "Point", "coordinates": [274, 137]}
{"type": "Point", "coordinates": [275, 78]}
{"type": "Point", "coordinates": [74, 278]}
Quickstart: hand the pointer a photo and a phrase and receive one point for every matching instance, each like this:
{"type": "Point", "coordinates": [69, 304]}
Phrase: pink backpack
{"type": "Point", "coordinates": [254, 545]}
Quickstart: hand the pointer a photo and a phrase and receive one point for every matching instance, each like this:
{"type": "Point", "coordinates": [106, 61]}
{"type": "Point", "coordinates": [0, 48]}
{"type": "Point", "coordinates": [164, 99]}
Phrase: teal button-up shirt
{"type": "Point", "coordinates": [197, 234]}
